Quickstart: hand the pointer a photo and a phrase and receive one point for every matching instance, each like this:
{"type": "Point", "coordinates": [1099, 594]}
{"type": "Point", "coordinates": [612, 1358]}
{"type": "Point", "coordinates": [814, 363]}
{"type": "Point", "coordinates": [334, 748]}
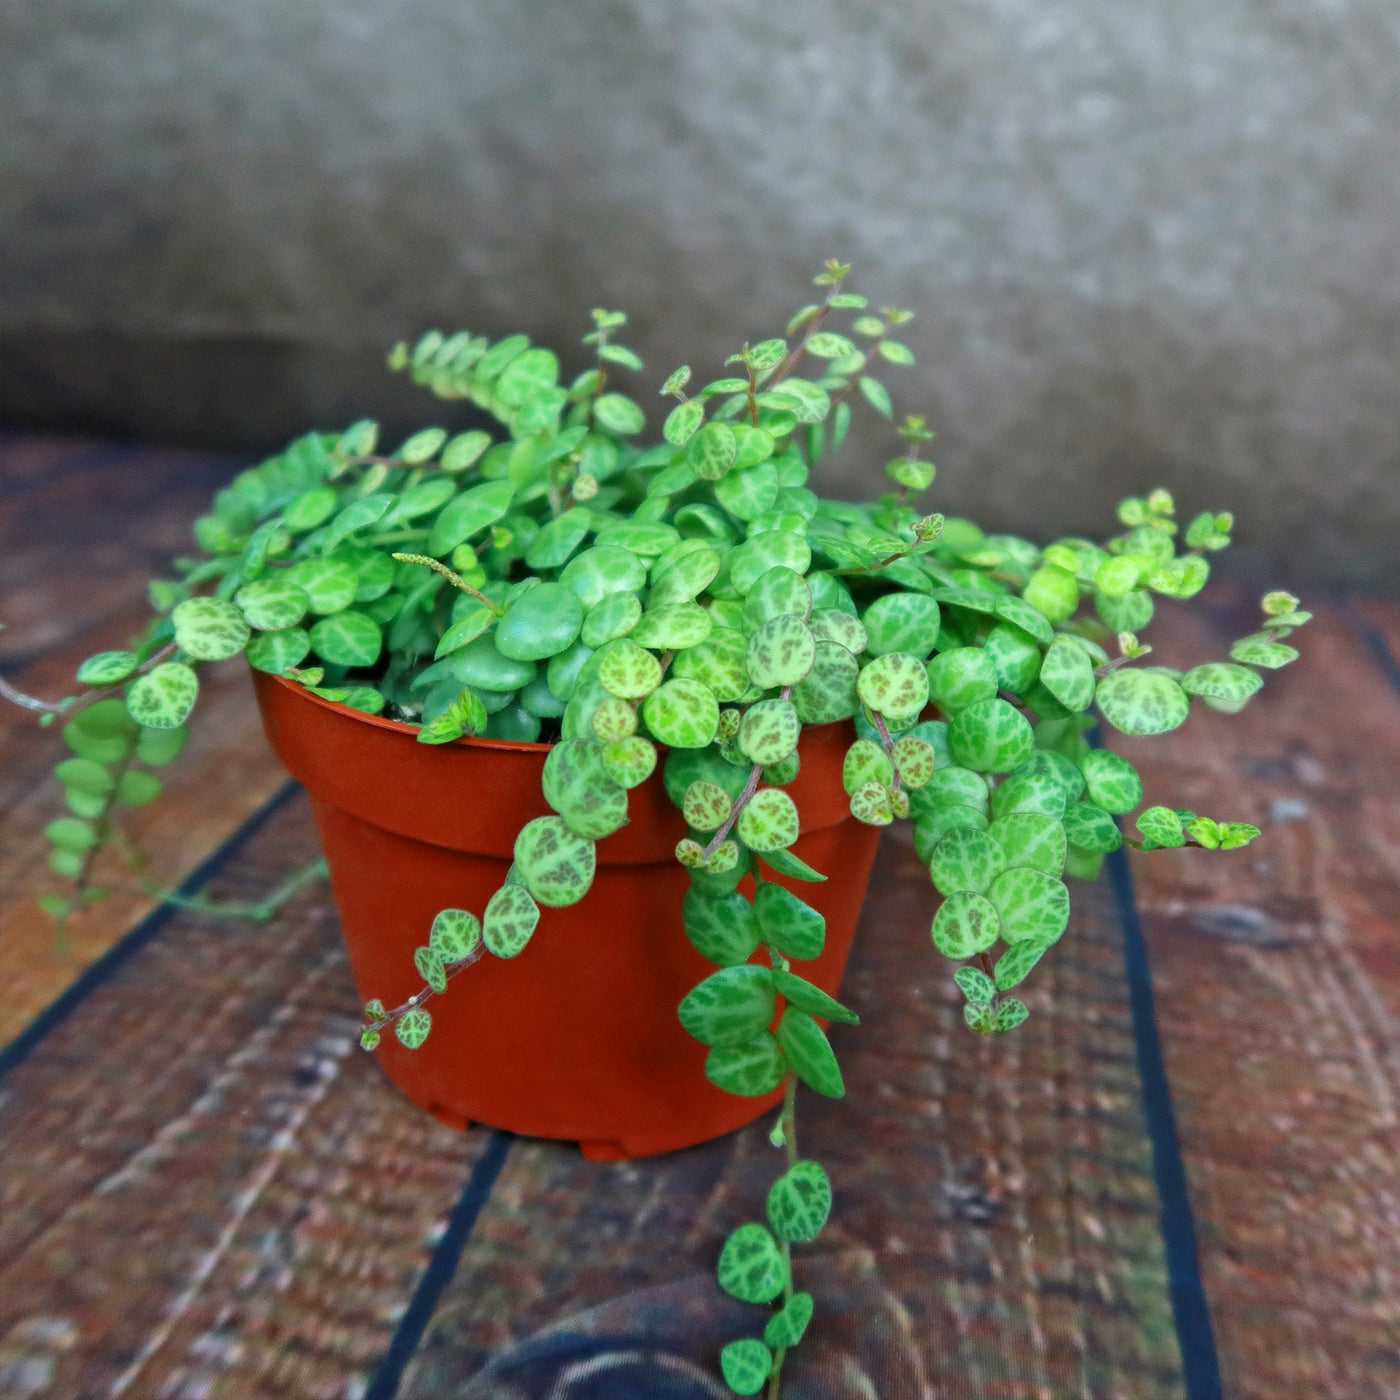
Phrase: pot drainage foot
{"type": "Point", "coordinates": [450, 1116]}
{"type": "Point", "coordinates": [604, 1150]}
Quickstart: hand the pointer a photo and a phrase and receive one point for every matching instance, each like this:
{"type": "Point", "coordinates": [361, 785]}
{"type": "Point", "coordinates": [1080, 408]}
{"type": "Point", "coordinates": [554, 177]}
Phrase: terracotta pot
{"type": "Point", "coordinates": [577, 1037]}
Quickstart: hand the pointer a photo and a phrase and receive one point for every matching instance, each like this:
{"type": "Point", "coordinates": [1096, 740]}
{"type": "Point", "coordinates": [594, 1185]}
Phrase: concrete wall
{"type": "Point", "coordinates": [1150, 243]}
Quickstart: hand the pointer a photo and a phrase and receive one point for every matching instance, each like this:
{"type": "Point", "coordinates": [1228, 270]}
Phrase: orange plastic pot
{"type": "Point", "coordinates": [577, 1036]}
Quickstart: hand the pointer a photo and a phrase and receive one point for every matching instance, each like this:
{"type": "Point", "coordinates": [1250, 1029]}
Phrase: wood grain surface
{"type": "Point", "coordinates": [206, 1191]}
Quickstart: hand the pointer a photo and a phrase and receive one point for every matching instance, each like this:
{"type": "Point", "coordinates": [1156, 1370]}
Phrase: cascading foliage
{"type": "Point", "coordinates": [561, 580]}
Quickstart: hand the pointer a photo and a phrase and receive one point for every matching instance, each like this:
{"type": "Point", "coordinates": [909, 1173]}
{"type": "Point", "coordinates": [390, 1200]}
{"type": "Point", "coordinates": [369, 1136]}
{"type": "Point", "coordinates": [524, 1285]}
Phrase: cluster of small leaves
{"type": "Point", "coordinates": [692, 605]}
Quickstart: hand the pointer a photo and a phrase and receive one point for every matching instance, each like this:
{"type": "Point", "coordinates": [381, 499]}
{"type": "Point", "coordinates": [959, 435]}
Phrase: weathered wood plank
{"type": "Point", "coordinates": [995, 1229]}
{"type": "Point", "coordinates": [84, 527]}
{"type": "Point", "coordinates": [208, 1188]}
{"type": "Point", "coordinates": [1277, 975]}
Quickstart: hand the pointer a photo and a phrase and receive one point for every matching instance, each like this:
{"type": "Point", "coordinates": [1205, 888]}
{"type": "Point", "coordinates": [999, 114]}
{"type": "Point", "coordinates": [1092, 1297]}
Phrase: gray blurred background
{"type": "Point", "coordinates": [1149, 243]}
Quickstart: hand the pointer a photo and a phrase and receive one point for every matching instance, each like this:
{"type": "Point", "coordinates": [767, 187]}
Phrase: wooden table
{"type": "Point", "coordinates": [1180, 1177]}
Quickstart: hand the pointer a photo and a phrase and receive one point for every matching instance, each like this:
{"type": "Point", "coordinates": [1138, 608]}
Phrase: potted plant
{"type": "Point", "coordinates": [485, 653]}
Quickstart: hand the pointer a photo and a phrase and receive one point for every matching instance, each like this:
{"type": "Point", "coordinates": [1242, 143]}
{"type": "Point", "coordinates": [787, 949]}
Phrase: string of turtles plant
{"type": "Point", "coordinates": [695, 596]}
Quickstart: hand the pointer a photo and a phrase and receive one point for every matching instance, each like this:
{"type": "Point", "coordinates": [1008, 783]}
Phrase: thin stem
{"type": "Point", "coordinates": [427, 993]}
{"type": "Point", "coordinates": [262, 910]}
{"type": "Point", "coordinates": [750, 787]}
{"type": "Point", "coordinates": [888, 744]}
{"type": "Point", "coordinates": [742, 801]}
{"type": "Point", "coordinates": [75, 703]}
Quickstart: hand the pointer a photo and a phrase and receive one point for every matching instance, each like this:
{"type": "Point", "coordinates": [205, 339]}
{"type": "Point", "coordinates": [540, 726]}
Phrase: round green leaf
{"type": "Point", "coordinates": [510, 919]}
{"type": "Point", "coordinates": [781, 652]}
{"type": "Point", "coordinates": [966, 859]}
{"type": "Point", "coordinates": [615, 616]}
{"type": "Point", "coordinates": [542, 622]}
{"type": "Point", "coordinates": [683, 421]}
{"type": "Point", "coordinates": [799, 1202]}
{"type": "Point", "coordinates": [745, 1365]}
{"type": "Point", "coordinates": [752, 559]}
{"type": "Point", "coordinates": [792, 925]}
{"type": "Point", "coordinates": [786, 1328]}
{"type": "Point", "coordinates": [1053, 592]}
{"type": "Point", "coordinates": [672, 626]}
{"type": "Point", "coordinates": [711, 452]}
{"type": "Point", "coordinates": [834, 625]}
{"type": "Point", "coordinates": [310, 509]}
{"type": "Point", "coordinates": [769, 821]}
{"type": "Point", "coordinates": [683, 714]}
{"type": "Point", "coordinates": [412, 1027]}
{"type": "Point", "coordinates": [347, 639]}
{"type": "Point", "coordinates": [1032, 905]}
{"type": "Point", "coordinates": [618, 414]}
{"type": "Point", "coordinates": [271, 604]}
{"type": "Point", "coordinates": [464, 450]}
{"type": "Point", "coordinates": [629, 671]}
{"type": "Point", "coordinates": [966, 924]}
{"type": "Point", "coordinates": [1142, 702]}
{"type": "Point", "coordinates": [1222, 681]}
{"type": "Point", "coordinates": [1091, 828]}
{"type": "Point", "coordinates": [164, 697]}
{"type": "Point", "coordinates": [209, 629]}
{"type": "Point", "coordinates": [954, 786]}
{"type": "Point", "coordinates": [865, 762]}
{"type": "Point", "coordinates": [579, 785]}
{"type": "Point", "coordinates": [603, 570]}
{"type": "Point", "coordinates": [454, 935]}
{"type": "Point", "coordinates": [809, 1053]}
{"type": "Point", "coordinates": [683, 573]}
{"type": "Point", "coordinates": [707, 806]}
{"type": "Point", "coordinates": [730, 1007]}
{"type": "Point", "coordinates": [1030, 791]}
{"type": "Point", "coordinates": [1013, 965]}
{"type": "Point", "coordinates": [828, 691]}
{"type": "Point", "coordinates": [430, 968]}
{"type": "Point", "coordinates": [630, 760]}
{"type": "Point", "coordinates": [1032, 840]}
{"type": "Point", "coordinates": [1112, 781]}
{"type": "Point", "coordinates": [467, 515]}
{"type": "Point", "coordinates": [136, 789]}
{"type": "Point", "coordinates": [557, 863]}
{"type": "Point", "coordinates": [648, 539]}
{"type": "Point", "coordinates": [422, 445]}
{"type": "Point", "coordinates": [329, 584]}
{"type": "Point", "coordinates": [895, 685]}
{"type": "Point", "coordinates": [769, 731]}
{"type": "Point", "coordinates": [991, 736]}
{"type": "Point", "coordinates": [557, 539]}
{"type": "Point", "coordinates": [1068, 674]}
{"type": "Point", "coordinates": [107, 667]}
{"type": "Point", "coordinates": [753, 1068]}
{"type": "Point", "coordinates": [915, 760]}
{"type": "Point", "coordinates": [961, 676]}
{"type": "Point", "coordinates": [718, 662]}
{"type": "Point", "coordinates": [902, 622]}
{"type": "Point", "coordinates": [1014, 656]}
{"type": "Point", "coordinates": [808, 997]}
{"type": "Point", "coordinates": [722, 928]}
{"type": "Point", "coordinates": [158, 747]}
{"type": "Point", "coordinates": [83, 775]}
{"type": "Point", "coordinates": [778, 591]}
{"type": "Point", "coordinates": [275, 651]}
{"type": "Point", "coordinates": [751, 1266]}
{"type": "Point", "coordinates": [71, 834]}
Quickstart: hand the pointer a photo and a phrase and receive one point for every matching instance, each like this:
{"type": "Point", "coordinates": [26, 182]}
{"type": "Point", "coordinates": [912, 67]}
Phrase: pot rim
{"type": "Point", "coordinates": [395, 726]}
